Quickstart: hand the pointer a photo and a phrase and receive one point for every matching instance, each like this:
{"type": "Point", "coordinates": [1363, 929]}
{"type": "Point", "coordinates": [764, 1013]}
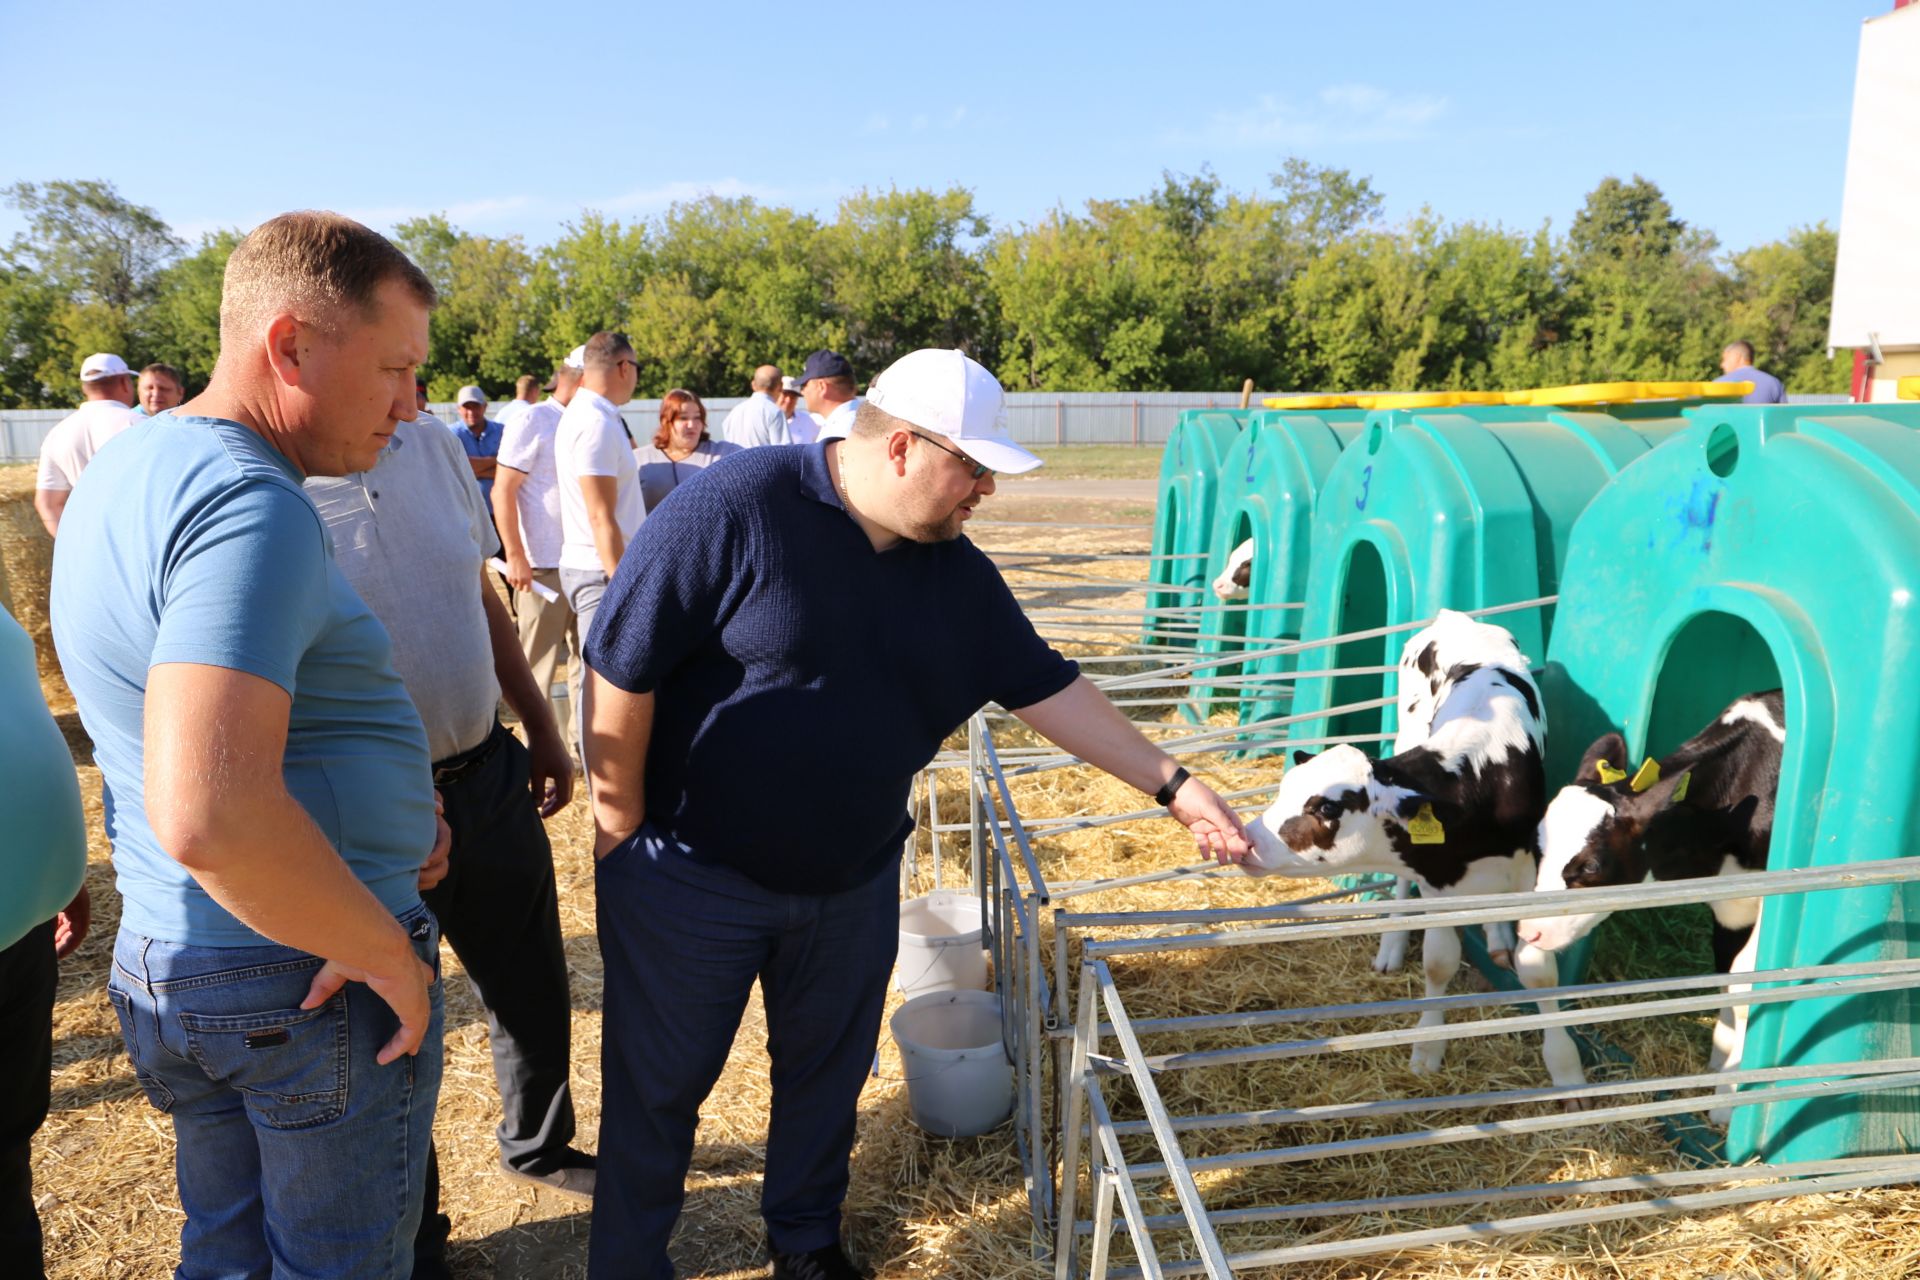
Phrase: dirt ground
{"type": "Point", "coordinates": [103, 1161]}
{"type": "Point", "coordinates": [919, 1206]}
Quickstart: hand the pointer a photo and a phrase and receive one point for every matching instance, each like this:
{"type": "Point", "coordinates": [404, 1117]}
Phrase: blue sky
{"type": "Point", "coordinates": [511, 119]}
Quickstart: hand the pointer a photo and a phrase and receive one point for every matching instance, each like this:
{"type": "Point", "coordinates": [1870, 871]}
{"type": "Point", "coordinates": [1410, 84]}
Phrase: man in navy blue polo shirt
{"type": "Point", "coordinates": [821, 597]}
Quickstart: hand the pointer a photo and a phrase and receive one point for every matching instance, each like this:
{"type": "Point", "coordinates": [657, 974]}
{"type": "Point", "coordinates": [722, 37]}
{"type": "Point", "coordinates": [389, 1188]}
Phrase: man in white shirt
{"type": "Point", "coordinates": [526, 392]}
{"type": "Point", "coordinates": [757, 420]}
{"type": "Point", "coordinates": [827, 384]}
{"type": "Point", "coordinates": [70, 446]}
{"type": "Point", "coordinates": [600, 502]}
{"type": "Point", "coordinates": [801, 427]}
{"type": "Point", "coordinates": [526, 510]}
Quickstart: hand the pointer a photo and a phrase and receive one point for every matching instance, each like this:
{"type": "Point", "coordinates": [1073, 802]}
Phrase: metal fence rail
{"type": "Point", "coordinates": [1088, 1188]}
{"type": "Point", "coordinates": [1086, 1118]}
{"type": "Point", "coordinates": [1033, 417]}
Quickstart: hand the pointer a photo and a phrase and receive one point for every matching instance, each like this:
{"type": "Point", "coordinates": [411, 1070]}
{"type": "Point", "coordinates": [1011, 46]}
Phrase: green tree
{"type": "Point", "coordinates": [28, 336]}
{"type": "Point", "coordinates": [754, 266]}
{"type": "Point", "coordinates": [1782, 301]}
{"type": "Point", "coordinates": [90, 243]}
{"type": "Point", "coordinates": [901, 274]}
{"type": "Point", "coordinates": [1645, 298]}
{"type": "Point", "coordinates": [587, 280]}
{"type": "Point", "coordinates": [181, 324]}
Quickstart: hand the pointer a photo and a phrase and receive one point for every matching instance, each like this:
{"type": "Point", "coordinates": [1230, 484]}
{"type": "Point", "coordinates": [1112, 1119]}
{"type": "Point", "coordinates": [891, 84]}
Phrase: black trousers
{"type": "Point", "coordinates": [27, 977]}
{"type": "Point", "coordinates": [500, 911]}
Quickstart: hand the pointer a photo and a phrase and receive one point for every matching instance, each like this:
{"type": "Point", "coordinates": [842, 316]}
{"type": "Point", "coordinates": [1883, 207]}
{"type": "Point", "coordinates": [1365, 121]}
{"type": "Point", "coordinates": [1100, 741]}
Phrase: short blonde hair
{"type": "Point", "coordinates": [316, 265]}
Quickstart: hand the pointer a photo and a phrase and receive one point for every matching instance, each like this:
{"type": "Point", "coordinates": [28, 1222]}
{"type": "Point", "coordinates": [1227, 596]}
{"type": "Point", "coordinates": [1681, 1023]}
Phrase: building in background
{"type": "Point", "coordinates": [1876, 282]}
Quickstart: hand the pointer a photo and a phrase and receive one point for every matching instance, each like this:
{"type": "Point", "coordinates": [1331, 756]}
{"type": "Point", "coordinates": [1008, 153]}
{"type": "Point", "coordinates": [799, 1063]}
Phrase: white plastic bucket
{"type": "Point", "coordinates": [959, 1082]}
{"type": "Point", "coordinates": [940, 944]}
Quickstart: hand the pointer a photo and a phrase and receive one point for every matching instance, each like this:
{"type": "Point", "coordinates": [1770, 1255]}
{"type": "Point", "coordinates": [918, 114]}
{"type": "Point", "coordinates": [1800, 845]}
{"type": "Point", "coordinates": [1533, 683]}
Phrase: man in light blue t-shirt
{"type": "Point", "coordinates": [1736, 365]}
{"type": "Point", "coordinates": [267, 778]}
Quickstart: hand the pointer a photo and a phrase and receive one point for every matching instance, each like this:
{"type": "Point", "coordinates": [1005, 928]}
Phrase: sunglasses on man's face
{"type": "Point", "coordinates": [979, 468]}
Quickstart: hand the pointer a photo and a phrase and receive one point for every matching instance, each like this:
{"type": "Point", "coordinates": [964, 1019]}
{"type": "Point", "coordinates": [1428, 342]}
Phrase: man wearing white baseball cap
{"type": "Point", "coordinates": [480, 438]}
{"type": "Point", "coordinates": [70, 446]}
{"type": "Point", "coordinates": [819, 595]}
{"type": "Point", "coordinates": [526, 511]}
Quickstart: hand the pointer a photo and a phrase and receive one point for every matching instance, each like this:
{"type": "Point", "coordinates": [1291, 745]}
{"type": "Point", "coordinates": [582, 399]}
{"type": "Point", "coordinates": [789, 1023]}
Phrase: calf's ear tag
{"type": "Point", "coordinates": [1425, 828]}
{"type": "Point", "coordinates": [1608, 774]}
{"type": "Point", "coordinates": [1680, 788]}
{"type": "Point", "coordinates": [1648, 775]}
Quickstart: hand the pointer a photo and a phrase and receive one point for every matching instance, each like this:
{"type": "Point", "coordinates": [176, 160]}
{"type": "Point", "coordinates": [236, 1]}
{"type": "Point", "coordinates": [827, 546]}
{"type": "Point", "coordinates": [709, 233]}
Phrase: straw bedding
{"type": "Point", "coordinates": [922, 1206]}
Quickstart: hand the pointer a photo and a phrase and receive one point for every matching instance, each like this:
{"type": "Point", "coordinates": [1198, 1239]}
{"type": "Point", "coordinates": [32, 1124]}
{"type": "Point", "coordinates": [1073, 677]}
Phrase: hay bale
{"type": "Point", "coordinates": [26, 566]}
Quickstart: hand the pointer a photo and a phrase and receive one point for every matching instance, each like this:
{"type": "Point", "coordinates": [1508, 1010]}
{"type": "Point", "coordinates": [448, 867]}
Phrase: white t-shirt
{"type": "Point", "coordinates": [527, 445]}
{"type": "Point", "coordinates": [592, 441]}
{"type": "Point", "coordinates": [840, 421]}
{"type": "Point", "coordinates": [70, 446]}
{"type": "Point", "coordinates": [755, 421]}
{"type": "Point", "coordinates": [803, 427]}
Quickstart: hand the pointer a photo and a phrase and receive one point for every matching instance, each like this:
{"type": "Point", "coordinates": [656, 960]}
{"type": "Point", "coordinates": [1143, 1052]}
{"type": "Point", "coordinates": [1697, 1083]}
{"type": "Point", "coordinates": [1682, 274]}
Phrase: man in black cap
{"type": "Point", "coordinates": [826, 384]}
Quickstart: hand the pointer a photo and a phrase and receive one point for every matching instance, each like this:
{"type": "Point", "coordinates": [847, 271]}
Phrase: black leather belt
{"type": "Point", "coordinates": [454, 768]}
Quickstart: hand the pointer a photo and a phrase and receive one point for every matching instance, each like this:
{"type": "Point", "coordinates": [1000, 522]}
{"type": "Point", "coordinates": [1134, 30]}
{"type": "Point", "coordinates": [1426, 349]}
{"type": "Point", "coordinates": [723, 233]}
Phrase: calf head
{"type": "Point", "coordinates": [1596, 832]}
{"type": "Point", "coordinates": [1333, 816]}
{"type": "Point", "coordinates": [1234, 580]}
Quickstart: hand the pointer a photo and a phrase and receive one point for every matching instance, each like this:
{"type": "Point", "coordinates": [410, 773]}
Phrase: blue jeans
{"type": "Point", "coordinates": [297, 1154]}
{"type": "Point", "coordinates": [683, 942]}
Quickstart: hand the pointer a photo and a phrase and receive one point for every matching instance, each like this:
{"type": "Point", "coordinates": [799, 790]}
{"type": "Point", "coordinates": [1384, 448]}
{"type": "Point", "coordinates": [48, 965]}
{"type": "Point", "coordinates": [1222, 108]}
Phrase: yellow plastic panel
{"type": "Point", "coordinates": [1312, 402]}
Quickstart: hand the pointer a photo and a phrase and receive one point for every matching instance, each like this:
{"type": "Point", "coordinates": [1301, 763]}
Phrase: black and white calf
{"type": "Point", "coordinates": [1234, 580]}
{"type": "Point", "coordinates": [1427, 663]}
{"type": "Point", "coordinates": [1707, 811]}
{"type": "Point", "coordinates": [1458, 814]}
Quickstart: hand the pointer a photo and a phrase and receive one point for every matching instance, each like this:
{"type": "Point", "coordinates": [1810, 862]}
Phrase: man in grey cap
{"type": "Point", "coordinates": [480, 437]}
{"type": "Point", "coordinates": [64, 454]}
{"type": "Point", "coordinates": [757, 420]}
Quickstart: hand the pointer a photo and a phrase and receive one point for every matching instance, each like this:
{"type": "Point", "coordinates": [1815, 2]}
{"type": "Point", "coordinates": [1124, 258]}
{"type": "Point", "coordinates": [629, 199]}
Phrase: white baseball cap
{"type": "Point", "coordinates": [471, 395]}
{"type": "Point", "coordinates": [102, 365]}
{"type": "Point", "coordinates": [577, 358]}
{"type": "Point", "coordinates": [790, 383]}
{"type": "Point", "coordinates": [949, 394]}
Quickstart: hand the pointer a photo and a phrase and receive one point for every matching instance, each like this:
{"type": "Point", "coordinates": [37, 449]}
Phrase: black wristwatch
{"type": "Point", "coordinates": [1164, 796]}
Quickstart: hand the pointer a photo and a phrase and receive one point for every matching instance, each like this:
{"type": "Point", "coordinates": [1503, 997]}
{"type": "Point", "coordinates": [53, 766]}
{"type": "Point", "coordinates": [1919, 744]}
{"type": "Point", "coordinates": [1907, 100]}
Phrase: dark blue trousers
{"type": "Point", "coordinates": [682, 943]}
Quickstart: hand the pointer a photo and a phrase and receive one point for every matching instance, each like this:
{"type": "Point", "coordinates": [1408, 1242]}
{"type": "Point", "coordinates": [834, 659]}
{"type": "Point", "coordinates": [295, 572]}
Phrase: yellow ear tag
{"type": "Point", "coordinates": [1680, 788]}
{"type": "Point", "coordinates": [1648, 775]}
{"type": "Point", "coordinates": [1425, 828]}
{"type": "Point", "coordinates": [1608, 774]}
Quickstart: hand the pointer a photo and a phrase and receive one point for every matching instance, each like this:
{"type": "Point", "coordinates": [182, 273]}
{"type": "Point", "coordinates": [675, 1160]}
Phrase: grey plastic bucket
{"type": "Point", "coordinates": [940, 944]}
{"type": "Point", "coordinates": [959, 1082]}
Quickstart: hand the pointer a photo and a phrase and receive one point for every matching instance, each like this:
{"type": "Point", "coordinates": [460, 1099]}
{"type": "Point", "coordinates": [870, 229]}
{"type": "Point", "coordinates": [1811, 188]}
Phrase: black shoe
{"type": "Point", "coordinates": [826, 1263]}
{"type": "Point", "coordinates": [572, 1175]}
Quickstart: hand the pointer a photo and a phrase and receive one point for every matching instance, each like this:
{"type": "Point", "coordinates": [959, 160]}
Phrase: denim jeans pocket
{"type": "Point", "coordinates": [290, 1064]}
{"type": "Point", "coordinates": [157, 1093]}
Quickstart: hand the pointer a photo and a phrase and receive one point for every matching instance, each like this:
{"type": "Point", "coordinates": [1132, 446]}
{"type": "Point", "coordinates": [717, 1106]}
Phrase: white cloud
{"type": "Point", "coordinates": [1336, 114]}
{"type": "Point", "coordinates": [653, 199]}
{"type": "Point", "coordinates": [918, 124]}
{"type": "Point", "coordinates": [876, 123]}
{"type": "Point", "coordinates": [959, 114]}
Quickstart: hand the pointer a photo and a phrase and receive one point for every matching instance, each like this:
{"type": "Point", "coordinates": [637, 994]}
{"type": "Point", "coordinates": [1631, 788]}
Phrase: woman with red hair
{"type": "Point", "coordinates": [679, 449]}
